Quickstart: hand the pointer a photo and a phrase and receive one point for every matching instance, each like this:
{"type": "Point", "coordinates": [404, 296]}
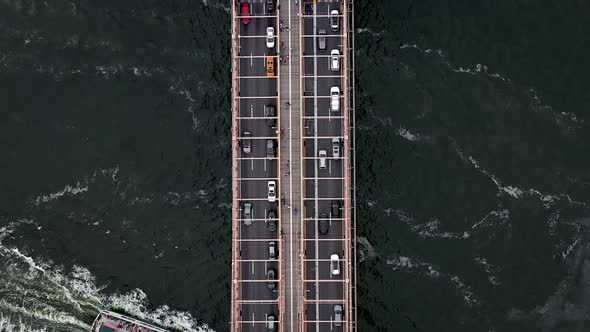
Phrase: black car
{"type": "Point", "coordinates": [271, 113]}
{"type": "Point", "coordinates": [270, 6]}
{"type": "Point", "coordinates": [271, 277]}
{"type": "Point", "coordinates": [270, 148]}
{"type": "Point", "coordinates": [323, 224]}
{"type": "Point", "coordinates": [336, 209]}
{"type": "Point", "coordinates": [272, 220]}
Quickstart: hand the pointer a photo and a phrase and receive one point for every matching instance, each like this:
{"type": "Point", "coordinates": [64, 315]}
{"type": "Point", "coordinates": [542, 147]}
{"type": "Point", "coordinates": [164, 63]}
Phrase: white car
{"type": "Point", "coordinates": [335, 60]}
{"type": "Point", "coordinates": [334, 20]}
{"type": "Point", "coordinates": [270, 37]}
{"type": "Point", "coordinates": [335, 264]}
{"type": "Point", "coordinates": [334, 99]}
{"type": "Point", "coordinates": [272, 192]}
{"type": "Point", "coordinates": [322, 155]}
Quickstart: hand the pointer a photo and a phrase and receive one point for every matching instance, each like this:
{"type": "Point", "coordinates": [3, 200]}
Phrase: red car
{"type": "Point", "coordinates": [245, 11]}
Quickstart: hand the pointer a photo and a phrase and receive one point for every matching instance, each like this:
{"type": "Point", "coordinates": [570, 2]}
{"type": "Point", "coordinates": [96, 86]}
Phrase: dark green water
{"type": "Point", "coordinates": [473, 164]}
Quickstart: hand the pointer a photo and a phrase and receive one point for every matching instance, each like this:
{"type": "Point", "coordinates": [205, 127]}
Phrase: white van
{"type": "Point", "coordinates": [323, 155]}
{"type": "Point", "coordinates": [335, 99]}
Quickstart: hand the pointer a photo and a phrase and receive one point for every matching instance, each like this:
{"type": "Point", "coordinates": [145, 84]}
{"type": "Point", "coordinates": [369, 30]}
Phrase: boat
{"type": "Point", "coordinates": [109, 321]}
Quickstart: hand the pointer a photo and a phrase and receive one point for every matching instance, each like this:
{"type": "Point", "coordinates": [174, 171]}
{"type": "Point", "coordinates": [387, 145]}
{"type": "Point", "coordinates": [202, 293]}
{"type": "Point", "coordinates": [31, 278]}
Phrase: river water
{"type": "Point", "coordinates": [472, 146]}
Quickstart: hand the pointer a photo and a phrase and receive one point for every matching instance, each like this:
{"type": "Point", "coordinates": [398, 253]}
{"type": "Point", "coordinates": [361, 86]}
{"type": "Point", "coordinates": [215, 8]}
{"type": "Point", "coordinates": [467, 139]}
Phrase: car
{"type": "Point", "coordinates": [270, 6]}
{"type": "Point", "coordinates": [272, 220]}
{"type": "Point", "coordinates": [270, 37]}
{"type": "Point", "coordinates": [335, 60]}
{"type": "Point", "coordinates": [270, 113]}
{"type": "Point", "coordinates": [310, 127]}
{"type": "Point", "coordinates": [334, 99]}
{"type": "Point", "coordinates": [323, 224]}
{"type": "Point", "coordinates": [247, 213]}
{"type": "Point", "coordinates": [270, 148]}
{"type": "Point", "coordinates": [246, 142]}
{"type": "Point", "coordinates": [337, 315]}
{"type": "Point", "coordinates": [271, 277]}
{"type": "Point", "coordinates": [322, 39]}
{"type": "Point", "coordinates": [271, 322]}
{"type": "Point", "coordinates": [334, 264]}
{"type": "Point", "coordinates": [334, 20]}
{"type": "Point", "coordinates": [336, 147]}
{"type": "Point", "coordinates": [322, 154]}
{"type": "Point", "coordinates": [270, 66]}
{"type": "Point", "coordinates": [335, 209]}
{"type": "Point", "coordinates": [272, 250]}
{"type": "Point", "coordinates": [245, 12]}
{"type": "Point", "coordinates": [272, 193]}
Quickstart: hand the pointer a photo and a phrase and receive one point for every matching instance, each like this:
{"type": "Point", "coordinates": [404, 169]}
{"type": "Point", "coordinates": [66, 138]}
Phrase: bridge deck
{"type": "Point", "coordinates": [307, 290]}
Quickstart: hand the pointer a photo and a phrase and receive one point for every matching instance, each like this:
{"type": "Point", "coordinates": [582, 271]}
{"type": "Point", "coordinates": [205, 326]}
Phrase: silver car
{"type": "Point", "coordinates": [247, 142]}
{"type": "Point", "coordinates": [322, 39]}
{"type": "Point", "coordinates": [336, 147]}
{"type": "Point", "coordinates": [337, 315]}
{"type": "Point", "coordinates": [247, 211]}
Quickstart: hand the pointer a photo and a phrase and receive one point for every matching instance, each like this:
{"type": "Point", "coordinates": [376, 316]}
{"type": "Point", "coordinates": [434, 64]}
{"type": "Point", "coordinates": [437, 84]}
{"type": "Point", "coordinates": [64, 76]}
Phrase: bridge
{"type": "Point", "coordinates": [293, 166]}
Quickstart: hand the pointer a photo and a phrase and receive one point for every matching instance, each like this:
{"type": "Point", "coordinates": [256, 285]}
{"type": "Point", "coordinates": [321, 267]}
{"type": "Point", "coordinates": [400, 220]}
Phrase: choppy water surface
{"type": "Point", "coordinates": [114, 135]}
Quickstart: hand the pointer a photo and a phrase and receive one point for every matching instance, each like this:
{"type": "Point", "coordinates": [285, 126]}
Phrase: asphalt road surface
{"type": "Point", "coordinates": [256, 169]}
{"type": "Point", "coordinates": [323, 187]}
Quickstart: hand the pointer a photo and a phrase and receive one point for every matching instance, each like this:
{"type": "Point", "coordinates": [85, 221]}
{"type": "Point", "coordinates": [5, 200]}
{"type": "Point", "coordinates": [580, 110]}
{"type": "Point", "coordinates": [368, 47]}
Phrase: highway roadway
{"type": "Point", "coordinates": [323, 187]}
{"type": "Point", "coordinates": [259, 299]}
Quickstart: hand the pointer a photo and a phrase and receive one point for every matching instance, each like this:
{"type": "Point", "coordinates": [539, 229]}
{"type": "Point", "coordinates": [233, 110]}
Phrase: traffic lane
{"type": "Point", "coordinates": [259, 291]}
{"type": "Point", "coordinates": [325, 250]}
{"type": "Point", "coordinates": [323, 107]}
{"type": "Point", "coordinates": [330, 127]}
{"type": "Point", "coordinates": [258, 312]}
{"type": "Point", "coordinates": [254, 108]}
{"type": "Point", "coordinates": [258, 250]}
{"type": "Point", "coordinates": [253, 271]}
{"type": "Point", "coordinates": [326, 314]}
{"type": "Point", "coordinates": [253, 66]}
{"type": "Point", "coordinates": [259, 209]}
{"type": "Point", "coordinates": [333, 170]}
{"type": "Point", "coordinates": [331, 290]}
{"type": "Point", "coordinates": [258, 168]}
{"type": "Point", "coordinates": [260, 132]}
{"type": "Point", "coordinates": [327, 188]}
{"type": "Point", "coordinates": [323, 66]}
{"type": "Point", "coordinates": [259, 87]}
{"type": "Point", "coordinates": [258, 229]}
{"type": "Point", "coordinates": [334, 228]}
{"type": "Point", "coordinates": [323, 266]}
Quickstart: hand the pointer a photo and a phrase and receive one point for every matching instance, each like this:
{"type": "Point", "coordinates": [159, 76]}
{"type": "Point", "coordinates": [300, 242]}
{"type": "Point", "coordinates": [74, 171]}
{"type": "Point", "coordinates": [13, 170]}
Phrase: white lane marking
{"type": "Point", "coordinates": [330, 166]}
{"type": "Point", "coordinates": [264, 60]}
{"type": "Point", "coordinates": [252, 267]}
{"type": "Point", "coordinates": [265, 165]}
{"type": "Point", "coordinates": [252, 164]}
{"type": "Point", "coordinates": [265, 215]}
{"type": "Point", "coordinates": [252, 318]}
{"type": "Point", "coordinates": [251, 60]}
{"type": "Point", "coordinates": [331, 322]}
{"type": "Point", "coordinates": [265, 267]}
{"type": "Point", "coordinates": [251, 110]}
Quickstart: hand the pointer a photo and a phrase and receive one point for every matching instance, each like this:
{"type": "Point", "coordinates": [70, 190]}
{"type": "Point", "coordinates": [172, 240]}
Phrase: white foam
{"type": "Point", "coordinates": [367, 30]}
{"type": "Point", "coordinates": [76, 290]}
{"type": "Point", "coordinates": [407, 263]}
{"type": "Point", "coordinates": [76, 189]}
{"type": "Point", "coordinates": [366, 250]}
{"type": "Point", "coordinates": [493, 217]}
{"type": "Point", "coordinates": [515, 192]}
